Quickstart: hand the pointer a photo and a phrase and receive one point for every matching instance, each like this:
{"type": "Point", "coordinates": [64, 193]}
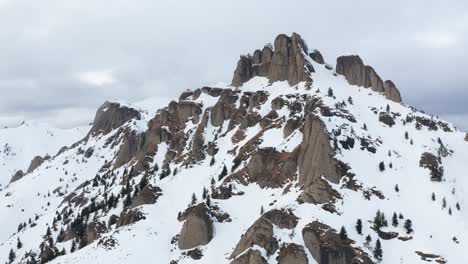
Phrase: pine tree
{"type": "Point", "coordinates": [11, 256]}
{"type": "Point", "coordinates": [457, 206]}
{"type": "Point", "coordinates": [208, 201]}
{"type": "Point", "coordinates": [330, 92]}
{"type": "Point", "coordinates": [387, 108]}
{"type": "Point", "coordinates": [408, 226]}
{"type": "Point", "coordinates": [343, 233]}
{"type": "Point", "coordinates": [350, 100]}
{"type": "Point", "coordinates": [359, 226]}
{"type": "Point", "coordinates": [395, 220]}
{"type": "Point", "coordinates": [406, 135]}
{"type": "Point", "coordinates": [381, 166]}
{"type": "Point", "coordinates": [48, 232]}
{"type": "Point", "coordinates": [364, 126]}
{"type": "Point", "coordinates": [212, 161]}
{"type": "Point", "coordinates": [368, 239]}
{"type": "Point", "coordinates": [194, 199]}
{"type": "Point", "coordinates": [450, 211]}
{"type": "Point", "coordinates": [204, 193]}
{"type": "Point", "coordinates": [223, 173]}
{"type": "Point", "coordinates": [378, 250]}
{"type": "Point", "coordinates": [19, 244]}
{"type": "Point", "coordinates": [73, 246]}
{"type": "Point", "coordinates": [444, 203]}
{"type": "Point", "coordinates": [433, 197]}
{"type": "Point", "coordinates": [261, 210]}
{"type": "Point", "coordinates": [397, 189]}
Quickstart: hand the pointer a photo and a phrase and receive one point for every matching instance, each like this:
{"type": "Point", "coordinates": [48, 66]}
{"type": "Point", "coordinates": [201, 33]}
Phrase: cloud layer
{"type": "Point", "coordinates": [61, 59]}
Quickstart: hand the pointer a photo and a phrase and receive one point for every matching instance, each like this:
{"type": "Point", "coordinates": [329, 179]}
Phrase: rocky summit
{"type": "Point", "coordinates": [299, 160]}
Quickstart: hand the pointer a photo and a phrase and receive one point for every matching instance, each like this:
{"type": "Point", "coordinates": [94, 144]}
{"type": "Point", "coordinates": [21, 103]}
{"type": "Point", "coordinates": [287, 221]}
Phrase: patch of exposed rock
{"type": "Point", "coordinates": [36, 162]}
{"type": "Point", "coordinates": [197, 229]}
{"type": "Point", "coordinates": [250, 257]}
{"type": "Point", "coordinates": [292, 254]}
{"type": "Point", "coordinates": [327, 247]}
{"type": "Point", "coordinates": [386, 118]}
{"type": "Point", "coordinates": [431, 162]}
{"type": "Point", "coordinates": [317, 57]}
{"type": "Point", "coordinates": [260, 234]}
{"type": "Point", "coordinates": [18, 175]}
{"type": "Point", "coordinates": [316, 159]}
{"type": "Point", "coordinates": [466, 137]}
{"type": "Point", "coordinates": [282, 218]}
{"type": "Point", "coordinates": [148, 195]}
{"type": "Point", "coordinates": [129, 217]}
{"type": "Point", "coordinates": [357, 73]}
{"type": "Point", "coordinates": [286, 62]}
{"type": "Point", "coordinates": [94, 230]}
{"type": "Point", "coordinates": [110, 116]}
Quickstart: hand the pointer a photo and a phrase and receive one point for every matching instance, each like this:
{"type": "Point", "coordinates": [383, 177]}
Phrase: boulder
{"type": "Point", "coordinates": [197, 229]}
{"type": "Point", "coordinates": [277, 103]}
{"type": "Point", "coordinates": [327, 247]}
{"type": "Point", "coordinates": [18, 175]}
{"type": "Point", "coordinates": [250, 257]}
{"type": "Point", "coordinates": [286, 62]}
{"type": "Point", "coordinates": [36, 162]}
{"type": "Point", "coordinates": [148, 195]}
{"type": "Point", "coordinates": [129, 217]}
{"type": "Point", "coordinates": [292, 254]}
{"type": "Point", "coordinates": [110, 116]}
{"type": "Point", "coordinates": [466, 137]}
{"type": "Point", "coordinates": [357, 73]}
{"type": "Point", "coordinates": [89, 152]}
{"type": "Point", "coordinates": [260, 234]}
{"type": "Point", "coordinates": [317, 57]}
{"type": "Point", "coordinates": [386, 118]}
{"type": "Point", "coordinates": [282, 218]}
{"type": "Point", "coordinates": [290, 126]}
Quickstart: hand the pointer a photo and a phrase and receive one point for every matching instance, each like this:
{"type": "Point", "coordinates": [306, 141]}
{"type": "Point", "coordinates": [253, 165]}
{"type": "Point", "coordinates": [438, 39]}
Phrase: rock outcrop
{"type": "Point", "coordinates": [357, 73]}
{"type": "Point", "coordinates": [197, 229]}
{"type": "Point", "coordinates": [286, 62]}
{"type": "Point", "coordinates": [466, 137]}
{"type": "Point", "coordinates": [317, 57]}
{"type": "Point", "coordinates": [148, 195]}
{"type": "Point", "coordinates": [282, 218]}
{"type": "Point", "coordinates": [129, 217]}
{"type": "Point", "coordinates": [327, 247]}
{"type": "Point", "coordinates": [316, 159]}
{"type": "Point", "coordinates": [292, 254]}
{"type": "Point", "coordinates": [18, 175]}
{"type": "Point", "coordinates": [36, 162]}
{"type": "Point", "coordinates": [250, 257]}
{"type": "Point", "coordinates": [260, 234]}
{"type": "Point", "coordinates": [386, 118]}
{"type": "Point", "coordinates": [110, 116]}
{"type": "Point", "coordinates": [431, 162]}
{"type": "Point", "coordinates": [94, 230]}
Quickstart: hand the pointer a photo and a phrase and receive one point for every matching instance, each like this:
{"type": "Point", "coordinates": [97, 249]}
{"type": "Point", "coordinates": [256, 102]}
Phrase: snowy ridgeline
{"type": "Point", "coordinates": [393, 202]}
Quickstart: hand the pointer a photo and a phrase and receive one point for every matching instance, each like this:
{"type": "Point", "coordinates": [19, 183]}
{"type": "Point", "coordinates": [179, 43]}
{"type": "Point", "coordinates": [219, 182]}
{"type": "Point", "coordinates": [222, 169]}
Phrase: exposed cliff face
{"type": "Point", "coordinates": [111, 116]}
{"type": "Point", "coordinates": [286, 62]}
{"type": "Point", "coordinates": [357, 73]}
{"type": "Point", "coordinates": [197, 229]}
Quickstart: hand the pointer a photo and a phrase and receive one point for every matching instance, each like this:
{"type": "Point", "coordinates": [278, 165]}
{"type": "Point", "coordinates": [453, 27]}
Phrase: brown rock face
{"type": "Point", "coordinates": [111, 116]}
{"type": "Point", "coordinates": [18, 175]}
{"type": "Point", "coordinates": [285, 63]}
{"type": "Point", "coordinates": [261, 234]}
{"type": "Point", "coordinates": [197, 229]}
{"type": "Point", "coordinates": [317, 57]}
{"type": "Point", "coordinates": [250, 257]}
{"type": "Point", "coordinates": [316, 155]}
{"type": "Point", "coordinates": [326, 246]}
{"type": "Point", "coordinates": [148, 195]}
{"type": "Point", "coordinates": [391, 92]}
{"type": "Point", "coordinates": [36, 162]}
{"type": "Point", "coordinates": [292, 254]}
{"type": "Point", "coordinates": [132, 142]}
{"type": "Point", "coordinates": [357, 73]}
{"type": "Point", "coordinates": [466, 137]}
{"type": "Point", "coordinates": [282, 218]}
{"type": "Point", "coordinates": [130, 217]}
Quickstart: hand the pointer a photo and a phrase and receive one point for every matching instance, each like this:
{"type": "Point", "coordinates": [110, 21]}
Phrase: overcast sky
{"type": "Point", "coordinates": [59, 60]}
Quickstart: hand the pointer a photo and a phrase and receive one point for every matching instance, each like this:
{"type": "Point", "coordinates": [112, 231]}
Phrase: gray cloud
{"type": "Point", "coordinates": [160, 48]}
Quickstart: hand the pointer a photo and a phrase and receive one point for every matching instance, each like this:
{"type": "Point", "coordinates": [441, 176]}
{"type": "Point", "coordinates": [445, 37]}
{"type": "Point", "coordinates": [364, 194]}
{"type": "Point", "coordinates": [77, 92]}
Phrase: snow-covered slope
{"type": "Point", "coordinates": [266, 172]}
{"type": "Point", "coordinates": [19, 145]}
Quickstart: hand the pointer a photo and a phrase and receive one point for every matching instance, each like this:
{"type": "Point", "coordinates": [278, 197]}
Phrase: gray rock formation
{"type": "Point", "coordinates": [111, 116]}
{"type": "Point", "coordinates": [148, 195]}
{"type": "Point", "coordinates": [197, 229]}
{"type": "Point", "coordinates": [282, 218]}
{"type": "Point", "coordinates": [292, 254]}
{"type": "Point", "coordinates": [386, 118]}
{"type": "Point", "coordinates": [18, 175]}
{"type": "Point", "coordinates": [326, 246]}
{"type": "Point", "coordinates": [36, 162]}
{"type": "Point", "coordinates": [431, 162]}
{"type": "Point", "coordinates": [317, 57]}
{"type": "Point", "coordinates": [250, 257]}
{"type": "Point", "coordinates": [261, 234]}
{"type": "Point", "coordinates": [94, 230]}
{"type": "Point", "coordinates": [357, 73]}
{"type": "Point", "coordinates": [287, 62]}
{"type": "Point", "coordinates": [129, 217]}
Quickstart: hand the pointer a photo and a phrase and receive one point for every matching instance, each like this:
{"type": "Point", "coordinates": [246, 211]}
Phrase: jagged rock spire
{"type": "Point", "coordinates": [286, 62]}
{"type": "Point", "coordinates": [357, 73]}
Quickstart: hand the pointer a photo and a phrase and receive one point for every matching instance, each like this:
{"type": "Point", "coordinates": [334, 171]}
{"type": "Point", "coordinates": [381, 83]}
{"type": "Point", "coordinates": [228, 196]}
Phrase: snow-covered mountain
{"type": "Point", "coordinates": [297, 161]}
{"type": "Point", "coordinates": [20, 145]}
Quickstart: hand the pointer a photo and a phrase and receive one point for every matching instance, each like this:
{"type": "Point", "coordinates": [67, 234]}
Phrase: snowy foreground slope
{"type": "Point", "coordinates": [19, 145]}
{"type": "Point", "coordinates": [266, 170]}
